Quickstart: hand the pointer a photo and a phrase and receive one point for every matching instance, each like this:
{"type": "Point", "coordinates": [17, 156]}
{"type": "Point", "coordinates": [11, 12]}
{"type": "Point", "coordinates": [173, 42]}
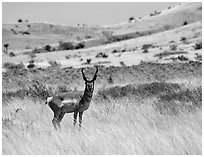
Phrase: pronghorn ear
{"type": "Point", "coordinates": [95, 75]}
{"type": "Point", "coordinates": [84, 77]}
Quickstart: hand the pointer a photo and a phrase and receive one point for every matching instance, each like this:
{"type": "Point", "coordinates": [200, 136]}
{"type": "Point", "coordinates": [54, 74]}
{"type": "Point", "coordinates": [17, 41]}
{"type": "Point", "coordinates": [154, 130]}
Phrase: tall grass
{"type": "Point", "coordinates": [114, 126]}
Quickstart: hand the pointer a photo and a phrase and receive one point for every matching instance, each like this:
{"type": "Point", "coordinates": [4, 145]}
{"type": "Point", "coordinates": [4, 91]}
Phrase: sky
{"type": "Point", "coordinates": [73, 13]}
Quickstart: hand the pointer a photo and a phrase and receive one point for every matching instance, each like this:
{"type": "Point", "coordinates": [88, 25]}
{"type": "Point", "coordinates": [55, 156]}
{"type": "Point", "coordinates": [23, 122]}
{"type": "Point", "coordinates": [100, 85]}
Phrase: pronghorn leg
{"type": "Point", "coordinates": [55, 120]}
{"type": "Point", "coordinates": [61, 116]}
{"type": "Point", "coordinates": [75, 117]}
{"type": "Point", "coordinates": [80, 118]}
{"type": "Point", "coordinates": [55, 123]}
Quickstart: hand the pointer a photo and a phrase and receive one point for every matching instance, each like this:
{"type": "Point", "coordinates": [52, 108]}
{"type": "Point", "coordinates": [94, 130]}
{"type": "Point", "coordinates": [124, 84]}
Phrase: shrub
{"type": "Point", "coordinates": [31, 64]}
{"type": "Point", "coordinates": [198, 45]}
{"type": "Point", "coordinates": [88, 61]}
{"type": "Point", "coordinates": [11, 54]}
{"type": "Point", "coordinates": [66, 45]}
{"type": "Point", "coordinates": [28, 26]}
{"type": "Point", "coordinates": [25, 32]}
{"type": "Point", "coordinates": [122, 64]}
{"type": "Point", "coordinates": [173, 47]}
{"type": "Point", "coordinates": [131, 19]}
{"type": "Point", "coordinates": [185, 23]}
{"type": "Point", "coordinates": [80, 45]}
{"type": "Point", "coordinates": [11, 66]}
{"type": "Point", "coordinates": [47, 48]}
{"type": "Point", "coordinates": [145, 47]}
{"type": "Point", "coordinates": [20, 20]}
{"type": "Point", "coordinates": [198, 57]}
{"type": "Point", "coordinates": [182, 58]}
{"type": "Point", "coordinates": [183, 39]}
{"type": "Point", "coordinates": [101, 55]}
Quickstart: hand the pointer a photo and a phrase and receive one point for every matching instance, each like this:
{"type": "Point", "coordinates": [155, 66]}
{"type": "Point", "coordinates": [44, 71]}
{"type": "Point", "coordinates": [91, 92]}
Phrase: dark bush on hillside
{"type": "Point", "coordinates": [88, 61]}
{"type": "Point", "coordinates": [182, 58]}
{"type": "Point", "coordinates": [101, 55]}
{"type": "Point", "coordinates": [25, 32]}
{"type": "Point", "coordinates": [48, 48]}
{"type": "Point", "coordinates": [185, 23]}
{"type": "Point", "coordinates": [198, 45]}
{"type": "Point", "coordinates": [36, 50]}
{"type": "Point", "coordinates": [80, 45]}
{"type": "Point", "coordinates": [31, 64]}
{"type": "Point", "coordinates": [11, 66]}
{"type": "Point", "coordinates": [173, 47]}
{"type": "Point", "coordinates": [11, 54]}
{"type": "Point", "coordinates": [146, 47]}
{"type": "Point", "coordinates": [131, 19]}
{"type": "Point", "coordinates": [20, 20]}
{"type": "Point", "coordinates": [198, 57]}
{"type": "Point", "coordinates": [66, 45]}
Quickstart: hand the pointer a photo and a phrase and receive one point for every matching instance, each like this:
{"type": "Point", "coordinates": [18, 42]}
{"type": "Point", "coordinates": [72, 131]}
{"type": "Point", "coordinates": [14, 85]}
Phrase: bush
{"type": "Point", "coordinates": [31, 64]}
{"type": "Point", "coordinates": [25, 32]}
{"type": "Point", "coordinates": [173, 47]}
{"type": "Point", "coordinates": [182, 58]}
{"type": "Point", "coordinates": [131, 19]}
{"type": "Point", "coordinates": [198, 45]}
{"type": "Point", "coordinates": [145, 47]}
{"type": "Point", "coordinates": [101, 55]}
{"type": "Point", "coordinates": [11, 54]}
{"type": "Point", "coordinates": [20, 20]}
{"type": "Point", "coordinates": [185, 23]}
{"type": "Point", "coordinates": [80, 45]}
{"type": "Point", "coordinates": [88, 61]}
{"type": "Point", "coordinates": [47, 48]}
{"type": "Point", "coordinates": [11, 66]}
{"type": "Point", "coordinates": [66, 45]}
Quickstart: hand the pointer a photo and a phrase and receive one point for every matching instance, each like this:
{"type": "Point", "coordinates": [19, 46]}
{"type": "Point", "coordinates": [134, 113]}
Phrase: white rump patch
{"type": "Point", "coordinates": [69, 101]}
{"type": "Point", "coordinates": [49, 99]}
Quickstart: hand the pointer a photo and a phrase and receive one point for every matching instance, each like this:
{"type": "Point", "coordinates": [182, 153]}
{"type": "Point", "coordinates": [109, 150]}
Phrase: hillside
{"type": "Point", "coordinates": [119, 43]}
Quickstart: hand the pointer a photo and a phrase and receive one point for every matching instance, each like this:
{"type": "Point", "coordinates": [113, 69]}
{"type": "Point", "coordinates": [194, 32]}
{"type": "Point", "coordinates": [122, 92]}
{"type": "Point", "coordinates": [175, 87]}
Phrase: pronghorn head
{"type": "Point", "coordinates": [89, 83]}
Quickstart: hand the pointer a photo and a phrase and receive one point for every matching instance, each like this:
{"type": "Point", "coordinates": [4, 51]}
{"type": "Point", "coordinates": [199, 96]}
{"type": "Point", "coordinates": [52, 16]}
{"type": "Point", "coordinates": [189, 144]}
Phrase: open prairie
{"type": "Point", "coordinates": [147, 97]}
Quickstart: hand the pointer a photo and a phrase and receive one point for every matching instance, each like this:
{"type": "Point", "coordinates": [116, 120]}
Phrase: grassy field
{"type": "Point", "coordinates": [160, 115]}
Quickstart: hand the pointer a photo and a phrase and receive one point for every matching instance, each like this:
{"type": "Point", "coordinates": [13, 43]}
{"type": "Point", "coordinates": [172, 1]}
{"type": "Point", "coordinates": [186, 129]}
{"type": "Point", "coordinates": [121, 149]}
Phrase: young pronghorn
{"type": "Point", "coordinates": [72, 102]}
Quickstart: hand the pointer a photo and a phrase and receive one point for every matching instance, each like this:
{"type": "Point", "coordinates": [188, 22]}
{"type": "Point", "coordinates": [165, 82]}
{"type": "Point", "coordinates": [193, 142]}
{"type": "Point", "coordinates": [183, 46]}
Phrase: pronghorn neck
{"type": "Point", "coordinates": [87, 94]}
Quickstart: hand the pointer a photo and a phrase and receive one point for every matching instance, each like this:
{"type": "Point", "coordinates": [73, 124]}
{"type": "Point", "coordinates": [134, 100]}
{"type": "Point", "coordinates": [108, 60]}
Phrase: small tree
{"type": "Point", "coordinates": [6, 48]}
{"type": "Point", "coordinates": [20, 20]}
{"type": "Point", "coordinates": [47, 48]}
{"type": "Point", "coordinates": [131, 19]}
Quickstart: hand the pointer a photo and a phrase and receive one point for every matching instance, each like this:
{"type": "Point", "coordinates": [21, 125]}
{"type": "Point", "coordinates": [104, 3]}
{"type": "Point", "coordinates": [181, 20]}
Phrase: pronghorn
{"type": "Point", "coordinates": [72, 102]}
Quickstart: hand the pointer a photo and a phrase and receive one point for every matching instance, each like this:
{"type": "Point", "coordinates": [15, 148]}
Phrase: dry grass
{"type": "Point", "coordinates": [116, 126]}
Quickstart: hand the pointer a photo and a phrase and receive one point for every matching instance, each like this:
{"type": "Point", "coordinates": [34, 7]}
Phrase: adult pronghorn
{"type": "Point", "coordinates": [72, 102]}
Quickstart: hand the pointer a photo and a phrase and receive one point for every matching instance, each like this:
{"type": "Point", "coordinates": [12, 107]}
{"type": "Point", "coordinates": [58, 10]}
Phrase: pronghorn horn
{"type": "Point", "coordinates": [95, 75]}
{"type": "Point", "coordinates": [84, 77]}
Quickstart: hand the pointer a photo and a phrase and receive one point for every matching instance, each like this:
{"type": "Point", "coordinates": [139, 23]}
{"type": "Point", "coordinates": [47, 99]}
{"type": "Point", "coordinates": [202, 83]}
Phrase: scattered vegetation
{"type": "Point", "coordinates": [146, 47]}
{"type": "Point", "coordinates": [101, 55]}
{"type": "Point", "coordinates": [131, 19]}
{"type": "Point", "coordinates": [185, 23]}
{"type": "Point", "coordinates": [173, 47]}
{"type": "Point", "coordinates": [12, 54]}
{"type": "Point", "coordinates": [198, 45]}
{"type": "Point", "coordinates": [169, 53]}
{"type": "Point", "coordinates": [66, 45]}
